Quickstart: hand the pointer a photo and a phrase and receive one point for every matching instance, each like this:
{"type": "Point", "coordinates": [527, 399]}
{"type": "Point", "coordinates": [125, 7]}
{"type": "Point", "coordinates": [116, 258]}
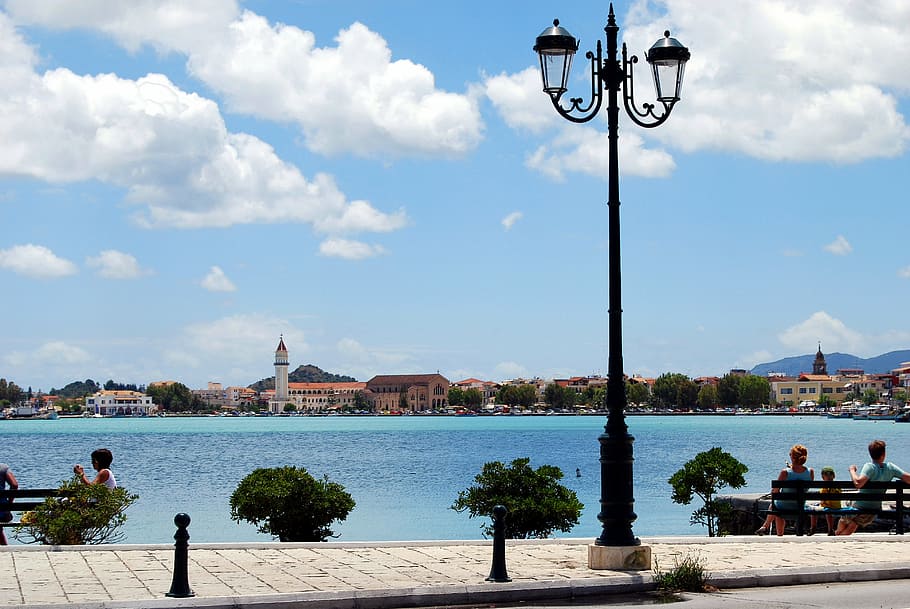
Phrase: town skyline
{"type": "Point", "coordinates": [182, 183]}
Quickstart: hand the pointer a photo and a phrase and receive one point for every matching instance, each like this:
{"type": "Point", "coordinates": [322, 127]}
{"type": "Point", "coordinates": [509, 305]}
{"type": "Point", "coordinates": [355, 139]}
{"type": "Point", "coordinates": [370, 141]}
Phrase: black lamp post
{"type": "Point", "coordinates": [667, 57]}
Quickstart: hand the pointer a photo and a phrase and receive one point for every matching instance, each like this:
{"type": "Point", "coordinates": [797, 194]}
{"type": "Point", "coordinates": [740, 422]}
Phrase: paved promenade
{"type": "Point", "coordinates": [385, 575]}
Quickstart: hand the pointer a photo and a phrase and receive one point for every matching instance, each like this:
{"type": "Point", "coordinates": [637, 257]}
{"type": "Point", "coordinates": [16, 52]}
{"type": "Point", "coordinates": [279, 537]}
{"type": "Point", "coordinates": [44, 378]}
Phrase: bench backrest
{"type": "Point", "coordinates": [895, 490]}
{"type": "Point", "coordinates": [810, 490]}
{"type": "Point", "coordinates": [26, 498]}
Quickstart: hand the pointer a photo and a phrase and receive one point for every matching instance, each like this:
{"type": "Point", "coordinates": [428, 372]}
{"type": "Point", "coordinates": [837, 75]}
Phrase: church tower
{"type": "Point", "coordinates": [281, 374]}
{"type": "Point", "coordinates": [819, 366]}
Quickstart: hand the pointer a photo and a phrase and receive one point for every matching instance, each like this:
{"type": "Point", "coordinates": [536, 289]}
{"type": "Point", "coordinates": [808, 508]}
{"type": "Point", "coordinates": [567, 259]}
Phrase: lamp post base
{"type": "Point", "coordinates": [619, 558]}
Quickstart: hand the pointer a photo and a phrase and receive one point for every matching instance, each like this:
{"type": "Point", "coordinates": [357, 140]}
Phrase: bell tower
{"type": "Point", "coordinates": [819, 366]}
{"type": "Point", "coordinates": [281, 373]}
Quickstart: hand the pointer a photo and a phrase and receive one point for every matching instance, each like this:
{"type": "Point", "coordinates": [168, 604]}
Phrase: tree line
{"type": "Point", "coordinates": [670, 390]}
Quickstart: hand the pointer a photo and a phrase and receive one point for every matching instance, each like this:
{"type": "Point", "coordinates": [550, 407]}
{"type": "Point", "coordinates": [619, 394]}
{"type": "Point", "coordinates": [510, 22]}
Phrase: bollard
{"type": "Point", "coordinates": [180, 586]}
{"type": "Point", "coordinates": [498, 570]}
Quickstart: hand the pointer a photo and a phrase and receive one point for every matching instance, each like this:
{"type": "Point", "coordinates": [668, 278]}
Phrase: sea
{"type": "Point", "coordinates": [404, 472]}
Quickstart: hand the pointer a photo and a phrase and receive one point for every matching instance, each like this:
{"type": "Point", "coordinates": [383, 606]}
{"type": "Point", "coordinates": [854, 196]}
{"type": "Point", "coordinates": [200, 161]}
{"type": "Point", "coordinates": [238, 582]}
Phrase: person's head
{"type": "Point", "coordinates": [877, 450]}
{"type": "Point", "coordinates": [798, 454]}
{"type": "Point", "coordinates": [827, 473]}
{"type": "Point", "coordinates": [102, 458]}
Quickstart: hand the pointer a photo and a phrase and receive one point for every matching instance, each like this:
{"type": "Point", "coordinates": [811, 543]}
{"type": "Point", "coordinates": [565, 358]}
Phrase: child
{"type": "Point", "coordinates": [101, 461]}
{"type": "Point", "coordinates": [827, 504]}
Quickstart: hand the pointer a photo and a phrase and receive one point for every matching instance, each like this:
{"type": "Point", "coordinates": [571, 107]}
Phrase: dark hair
{"type": "Point", "coordinates": [877, 449]}
{"type": "Point", "coordinates": [103, 457]}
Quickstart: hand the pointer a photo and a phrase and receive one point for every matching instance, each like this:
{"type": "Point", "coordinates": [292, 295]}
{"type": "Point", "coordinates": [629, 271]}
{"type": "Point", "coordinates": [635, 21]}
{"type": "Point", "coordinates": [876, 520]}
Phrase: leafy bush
{"type": "Point", "coordinates": [703, 476]}
{"type": "Point", "coordinates": [290, 504]}
{"type": "Point", "coordinates": [86, 514]}
{"type": "Point", "coordinates": [538, 504]}
{"type": "Point", "coordinates": [687, 575]}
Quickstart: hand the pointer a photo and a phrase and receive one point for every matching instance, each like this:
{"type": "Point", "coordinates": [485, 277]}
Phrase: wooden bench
{"type": "Point", "coordinates": [24, 499]}
{"type": "Point", "coordinates": [893, 496]}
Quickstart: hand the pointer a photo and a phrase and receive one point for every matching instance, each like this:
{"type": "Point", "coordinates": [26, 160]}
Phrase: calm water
{"type": "Point", "coordinates": [404, 472]}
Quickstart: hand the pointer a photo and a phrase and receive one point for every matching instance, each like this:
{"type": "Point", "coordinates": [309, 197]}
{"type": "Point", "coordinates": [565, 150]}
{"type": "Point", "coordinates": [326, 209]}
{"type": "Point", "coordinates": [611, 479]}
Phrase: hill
{"type": "Point", "coordinates": [793, 366]}
{"type": "Point", "coordinates": [304, 374]}
{"type": "Point", "coordinates": [77, 389]}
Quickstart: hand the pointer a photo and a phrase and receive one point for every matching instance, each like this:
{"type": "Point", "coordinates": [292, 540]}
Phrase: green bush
{"type": "Point", "coordinates": [703, 476]}
{"type": "Point", "coordinates": [290, 504]}
{"type": "Point", "coordinates": [537, 503]}
{"type": "Point", "coordinates": [687, 575]}
{"type": "Point", "coordinates": [86, 514]}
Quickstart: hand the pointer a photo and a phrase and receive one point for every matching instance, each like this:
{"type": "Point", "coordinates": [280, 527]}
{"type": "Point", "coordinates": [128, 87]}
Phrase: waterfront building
{"type": "Point", "coordinates": [488, 389]}
{"type": "Point", "coordinates": [407, 392]}
{"type": "Point", "coordinates": [112, 403]}
{"type": "Point", "coordinates": [227, 398]}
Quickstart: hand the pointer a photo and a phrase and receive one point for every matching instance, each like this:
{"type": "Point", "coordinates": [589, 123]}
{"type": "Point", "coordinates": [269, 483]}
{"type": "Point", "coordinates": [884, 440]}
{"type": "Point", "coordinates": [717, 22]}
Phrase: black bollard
{"type": "Point", "coordinates": [498, 570]}
{"type": "Point", "coordinates": [180, 586]}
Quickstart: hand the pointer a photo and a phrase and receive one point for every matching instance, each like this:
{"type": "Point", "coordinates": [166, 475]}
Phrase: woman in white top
{"type": "Point", "coordinates": [101, 461]}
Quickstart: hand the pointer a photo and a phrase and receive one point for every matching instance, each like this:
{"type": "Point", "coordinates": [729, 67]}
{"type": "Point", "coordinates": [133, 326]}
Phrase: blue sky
{"type": "Point", "coordinates": [385, 184]}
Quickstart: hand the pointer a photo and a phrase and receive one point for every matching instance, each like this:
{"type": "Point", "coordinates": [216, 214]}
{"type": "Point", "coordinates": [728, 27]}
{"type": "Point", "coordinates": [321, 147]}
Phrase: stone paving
{"type": "Point", "coordinates": [401, 574]}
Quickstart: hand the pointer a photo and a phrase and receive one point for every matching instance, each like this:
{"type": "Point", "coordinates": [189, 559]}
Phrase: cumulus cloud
{"type": "Point", "coordinates": [822, 327]}
{"type": "Point", "coordinates": [113, 264]}
{"type": "Point", "coordinates": [904, 272]}
{"type": "Point", "coordinates": [169, 149]}
{"type": "Point", "coordinates": [347, 98]}
{"type": "Point", "coordinates": [35, 261]}
{"type": "Point", "coordinates": [349, 250]}
{"type": "Point", "coordinates": [520, 100]}
{"type": "Point", "coordinates": [62, 353]}
{"type": "Point", "coordinates": [789, 106]}
{"type": "Point", "coordinates": [509, 221]}
{"type": "Point", "coordinates": [217, 281]}
{"type": "Point", "coordinates": [246, 339]}
{"type": "Point", "coordinates": [839, 247]}
{"type": "Point", "coordinates": [510, 370]}
{"type": "Point", "coordinates": [584, 150]}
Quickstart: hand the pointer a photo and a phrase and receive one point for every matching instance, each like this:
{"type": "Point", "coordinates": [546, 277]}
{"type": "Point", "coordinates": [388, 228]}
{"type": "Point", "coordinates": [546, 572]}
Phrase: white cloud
{"type": "Point", "coordinates": [520, 100]}
{"type": "Point", "coordinates": [904, 272]}
{"type": "Point", "coordinates": [349, 98]}
{"type": "Point", "coordinates": [839, 247]}
{"type": "Point", "coordinates": [509, 221]}
{"type": "Point", "coordinates": [243, 340]}
{"type": "Point", "coordinates": [350, 250]}
{"type": "Point", "coordinates": [821, 327]}
{"type": "Point", "coordinates": [584, 150]}
{"type": "Point", "coordinates": [169, 149]}
{"type": "Point", "coordinates": [113, 264]}
{"type": "Point", "coordinates": [217, 281]}
{"type": "Point", "coordinates": [364, 362]}
{"type": "Point", "coordinates": [505, 371]}
{"type": "Point", "coordinates": [790, 106]}
{"type": "Point", "coordinates": [167, 24]}
{"type": "Point", "coordinates": [60, 352]}
{"type": "Point", "coordinates": [35, 261]}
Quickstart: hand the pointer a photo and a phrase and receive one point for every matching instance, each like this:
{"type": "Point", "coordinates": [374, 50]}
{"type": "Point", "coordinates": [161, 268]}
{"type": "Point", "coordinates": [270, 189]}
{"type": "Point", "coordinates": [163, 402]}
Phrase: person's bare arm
{"type": "Point", "coordinates": [858, 480]}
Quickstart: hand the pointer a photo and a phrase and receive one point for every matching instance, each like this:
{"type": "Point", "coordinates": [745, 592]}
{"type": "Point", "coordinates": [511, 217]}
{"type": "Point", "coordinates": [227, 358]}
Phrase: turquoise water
{"type": "Point", "coordinates": [404, 472]}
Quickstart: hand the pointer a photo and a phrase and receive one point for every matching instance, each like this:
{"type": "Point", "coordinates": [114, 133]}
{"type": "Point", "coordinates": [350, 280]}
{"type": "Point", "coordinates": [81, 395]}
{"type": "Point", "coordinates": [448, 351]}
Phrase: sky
{"type": "Point", "coordinates": [386, 186]}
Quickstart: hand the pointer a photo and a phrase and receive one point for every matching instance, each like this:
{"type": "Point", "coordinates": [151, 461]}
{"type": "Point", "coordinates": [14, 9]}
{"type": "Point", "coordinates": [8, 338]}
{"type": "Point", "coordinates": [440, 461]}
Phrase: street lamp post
{"type": "Point", "coordinates": [667, 58]}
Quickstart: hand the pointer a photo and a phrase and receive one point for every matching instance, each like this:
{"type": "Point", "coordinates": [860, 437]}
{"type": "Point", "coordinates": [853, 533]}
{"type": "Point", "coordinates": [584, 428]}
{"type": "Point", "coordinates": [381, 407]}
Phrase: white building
{"type": "Point", "coordinates": [120, 403]}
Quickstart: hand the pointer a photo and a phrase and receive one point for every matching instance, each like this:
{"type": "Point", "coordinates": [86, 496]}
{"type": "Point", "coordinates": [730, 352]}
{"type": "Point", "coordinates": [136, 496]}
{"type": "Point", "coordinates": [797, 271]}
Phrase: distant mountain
{"type": "Point", "coordinates": [304, 374]}
{"type": "Point", "coordinates": [793, 366]}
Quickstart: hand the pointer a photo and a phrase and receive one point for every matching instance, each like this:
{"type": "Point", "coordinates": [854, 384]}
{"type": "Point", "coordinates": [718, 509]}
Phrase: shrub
{"type": "Point", "coordinates": [290, 504]}
{"type": "Point", "coordinates": [86, 514]}
{"type": "Point", "coordinates": [703, 476]}
{"type": "Point", "coordinates": [687, 575]}
{"type": "Point", "coordinates": [537, 503]}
